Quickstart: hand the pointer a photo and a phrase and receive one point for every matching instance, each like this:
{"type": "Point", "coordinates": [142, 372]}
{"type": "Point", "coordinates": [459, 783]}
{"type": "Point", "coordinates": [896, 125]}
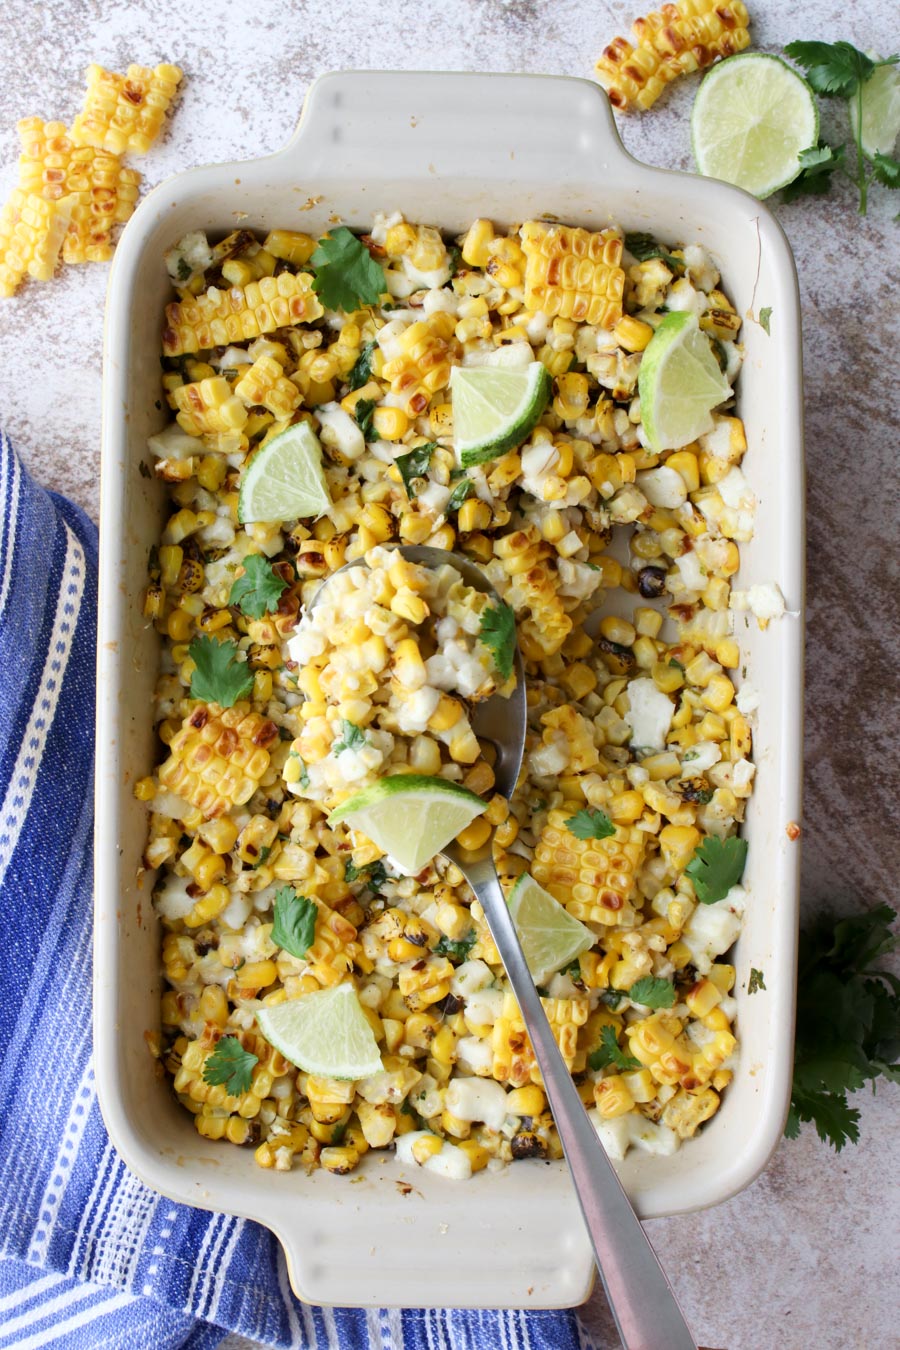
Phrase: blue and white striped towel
{"type": "Point", "coordinates": [89, 1256]}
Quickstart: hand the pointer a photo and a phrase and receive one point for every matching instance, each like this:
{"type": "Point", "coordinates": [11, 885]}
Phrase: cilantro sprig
{"type": "Point", "coordinates": [460, 493]}
{"type": "Point", "coordinates": [373, 874]}
{"type": "Point", "coordinates": [817, 164]}
{"type": "Point", "coordinates": [352, 737]}
{"type": "Point", "coordinates": [644, 247]}
{"type": "Point", "coordinates": [362, 369]}
{"type": "Point", "coordinates": [653, 992]}
{"type": "Point", "coordinates": [840, 70]}
{"type": "Point", "coordinates": [497, 631]}
{"type": "Point", "coordinates": [294, 929]}
{"type": "Point", "coordinates": [590, 823]}
{"type": "Point", "coordinates": [848, 1021]}
{"type": "Point", "coordinates": [458, 948]}
{"type": "Point", "coordinates": [608, 1053]}
{"type": "Point", "coordinates": [230, 1066]}
{"type": "Point", "coordinates": [258, 591]}
{"type": "Point", "coordinates": [717, 865]}
{"type": "Point", "coordinates": [414, 464]}
{"type": "Point", "coordinates": [347, 275]}
{"type": "Point", "coordinates": [219, 677]}
{"type": "Point", "coordinates": [364, 412]}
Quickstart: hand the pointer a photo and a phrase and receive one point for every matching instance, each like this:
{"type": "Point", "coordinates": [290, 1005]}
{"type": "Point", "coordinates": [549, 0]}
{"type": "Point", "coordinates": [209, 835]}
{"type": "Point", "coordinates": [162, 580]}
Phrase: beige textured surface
{"type": "Point", "coordinates": [805, 1256]}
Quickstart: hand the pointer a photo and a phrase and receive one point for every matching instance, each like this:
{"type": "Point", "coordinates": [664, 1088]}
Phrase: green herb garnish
{"type": "Point", "coordinates": [294, 929]}
{"type": "Point", "coordinates": [459, 494]}
{"type": "Point", "coordinates": [765, 318]}
{"type": "Point", "coordinates": [717, 865]}
{"type": "Point", "coordinates": [414, 464]}
{"type": "Point", "coordinates": [219, 676]}
{"type": "Point", "coordinates": [458, 948]}
{"type": "Point", "coordinates": [498, 633]}
{"type": "Point", "coordinates": [653, 992]}
{"type": "Point", "coordinates": [373, 874]}
{"type": "Point", "coordinates": [608, 1053]}
{"type": "Point", "coordinates": [347, 275]}
{"type": "Point", "coordinates": [644, 247]}
{"type": "Point", "coordinates": [817, 164]}
{"type": "Point", "coordinates": [590, 823]}
{"type": "Point", "coordinates": [353, 737]}
{"type": "Point", "coordinates": [258, 591]}
{"type": "Point", "coordinates": [362, 369]}
{"type": "Point", "coordinates": [364, 412]}
{"type": "Point", "coordinates": [230, 1066]}
{"type": "Point", "coordinates": [756, 981]}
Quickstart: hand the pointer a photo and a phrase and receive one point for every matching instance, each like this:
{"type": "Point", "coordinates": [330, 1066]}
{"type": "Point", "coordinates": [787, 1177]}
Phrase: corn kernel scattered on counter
{"type": "Point", "coordinates": [269, 711]}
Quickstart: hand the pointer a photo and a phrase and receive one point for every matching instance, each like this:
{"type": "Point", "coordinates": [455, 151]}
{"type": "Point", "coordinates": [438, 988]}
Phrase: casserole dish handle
{"type": "Point", "coordinates": [359, 118]}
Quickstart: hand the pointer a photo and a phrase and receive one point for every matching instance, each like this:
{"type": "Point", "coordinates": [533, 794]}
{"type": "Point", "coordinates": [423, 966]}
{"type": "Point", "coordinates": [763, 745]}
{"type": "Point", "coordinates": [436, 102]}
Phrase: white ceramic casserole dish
{"type": "Point", "coordinates": [443, 149]}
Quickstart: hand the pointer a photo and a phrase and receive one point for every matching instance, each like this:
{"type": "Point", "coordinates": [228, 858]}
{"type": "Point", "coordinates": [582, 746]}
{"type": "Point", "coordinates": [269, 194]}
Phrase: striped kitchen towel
{"type": "Point", "coordinates": [89, 1256]}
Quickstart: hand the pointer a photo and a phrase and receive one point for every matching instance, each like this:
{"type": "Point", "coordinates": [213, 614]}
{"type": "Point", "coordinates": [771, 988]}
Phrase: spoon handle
{"type": "Point", "coordinates": [642, 1301]}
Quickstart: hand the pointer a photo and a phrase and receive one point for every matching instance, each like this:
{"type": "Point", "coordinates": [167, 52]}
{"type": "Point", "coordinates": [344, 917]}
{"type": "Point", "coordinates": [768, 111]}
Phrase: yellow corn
{"type": "Point", "coordinates": [265, 385]}
{"type": "Point", "coordinates": [125, 112]}
{"type": "Point", "coordinates": [31, 235]}
{"type": "Point", "coordinates": [218, 757]}
{"type": "Point", "coordinates": [573, 273]}
{"type": "Point", "coordinates": [217, 317]}
{"type": "Point", "coordinates": [593, 878]}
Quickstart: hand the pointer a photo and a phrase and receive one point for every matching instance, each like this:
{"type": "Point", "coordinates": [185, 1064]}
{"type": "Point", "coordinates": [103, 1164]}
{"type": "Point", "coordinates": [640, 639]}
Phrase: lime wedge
{"type": "Point", "coordinates": [880, 110]}
{"type": "Point", "coordinates": [550, 937]}
{"type": "Point", "coordinates": [325, 1033]}
{"type": "Point", "coordinates": [752, 117]}
{"type": "Point", "coordinates": [284, 480]}
{"type": "Point", "coordinates": [495, 407]}
{"type": "Point", "coordinates": [679, 383]}
{"type": "Point", "coordinates": [410, 816]}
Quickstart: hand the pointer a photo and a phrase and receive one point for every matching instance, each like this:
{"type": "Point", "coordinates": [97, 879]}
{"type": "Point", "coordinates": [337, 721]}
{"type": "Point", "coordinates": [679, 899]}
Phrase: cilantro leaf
{"type": "Point", "coordinates": [364, 412]}
{"type": "Point", "coordinates": [644, 247]}
{"type": "Point", "coordinates": [835, 69]}
{"type": "Point", "coordinates": [573, 969]}
{"type": "Point", "coordinates": [294, 929]}
{"type": "Point", "coordinates": [347, 275]}
{"type": "Point", "coordinates": [848, 1021]}
{"type": "Point", "coordinates": [717, 865]}
{"type": "Point", "coordinates": [653, 992]}
{"type": "Point", "coordinates": [373, 874]}
{"type": "Point", "coordinates": [756, 981]}
{"type": "Point", "coordinates": [362, 369]}
{"type": "Point", "coordinates": [497, 631]}
{"type": "Point", "coordinates": [459, 494]}
{"type": "Point", "coordinates": [230, 1066]}
{"type": "Point", "coordinates": [258, 591]}
{"type": "Point", "coordinates": [219, 676]}
{"type": "Point", "coordinates": [414, 464]}
{"type": "Point", "coordinates": [765, 316]}
{"type": "Point", "coordinates": [612, 997]}
{"type": "Point", "coordinates": [817, 164]}
{"type": "Point", "coordinates": [608, 1053]}
{"type": "Point", "coordinates": [458, 948]}
{"type": "Point", "coordinates": [887, 170]}
{"type": "Point", "coordinates": [590, 823]}
{"type": "Point", "coordinates": [353, 737]}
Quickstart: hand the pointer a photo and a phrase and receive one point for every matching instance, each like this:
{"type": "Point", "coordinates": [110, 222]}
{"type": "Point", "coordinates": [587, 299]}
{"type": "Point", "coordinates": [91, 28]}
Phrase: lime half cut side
{"type": "Point", "coordinates": [284, 480]}
{"type": "Point", "coordinates": [752, 117]}
{"type": "Point", "coordinates": [679, 382]}
{"type": "Point", "coordinates": [325, 1032]}
{"type": "Point", "coordinates": [411, 816]}
{"type": "Point", "coordinates": [550, 937]}
{"type": "Point", "coordinates": [495, 408]}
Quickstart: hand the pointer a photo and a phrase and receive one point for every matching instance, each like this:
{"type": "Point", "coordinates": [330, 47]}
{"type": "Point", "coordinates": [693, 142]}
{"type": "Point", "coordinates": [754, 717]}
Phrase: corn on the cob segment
{"type": "Point", "coordinates": [221, 317]}
{"type": "Point", "coordinates": [265, 384]}
{"type": "Point", "coordinates": [593, 878]}
{"type": "Point", "coordinates": [125, 112]}
{"type": "Point", "coordinates": [208, 406]}
{"type": "Point", "coordinates": [573, 273]}
{"type": "Point", "coordinates": [31, 235]}
{"type": "Point", "coordinates": [513, 1057]}
{"type": "Point", "coordinates": [218, 757]}
{"type": "Point", "coordinates": [678, 39]}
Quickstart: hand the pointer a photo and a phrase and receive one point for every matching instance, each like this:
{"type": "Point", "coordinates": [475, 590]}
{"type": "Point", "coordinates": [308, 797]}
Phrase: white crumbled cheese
{"type": "Point", "coordinates": [174, 443]}
{"type": "Point", "coordinates": [735, 491]}
{"type": "Point", "coordinates": [220, 534]}
{"type": "Point", "coordinates": [764, 600]}
{"type": "Point", "coordinates": [649, 715]}
{"type": "Point", "coordinates": [742, 772]}
{"type": "Point", "coordinates": [712, 929]}
{"type": "Point", "coordinates": [619, 1134]}
{"type": "Point", "coordinates": [681, 295]}
{"type": "Point", "coordinates": [440, 299]}
{"type": "Point", "coordinates": [747, 699]}
{"type": "Point", "coordinates": [475, 1054]}
{"type": "Point", "coordinates": [549, 760]}
{"type": "Point", "coordinates": [416, 708]}
{"type": "Point", "coordinates": [232, 357]}
{"type": "Point", "coordinates": [577, 579]}
{"type": "Point", "coordinates": [690, 569]}
{"type": "Point", "coordinates": [237, 911]}
{"type": "Point", "coordinates": [700, 757]}
{"type": "Point", "coordinates": [388, 337]}
{"type": "Point", "coordinates": [476, 1099]}
{"type": "Point", "coordinates": [340, 430]}
{"type": "Point", "coordinates": [191, 254]}
{"type": "Point", "coordinates": [450, 1162]}
{"type": "Point", "coordinates": [382, 223]}
{"type": "Point", "coordinates": [511, 356]}
{"type": "Point", "coordinates": [700, 268]}
{"type": "Point", "coordinates": [306, 643]}
{"type": "Point", "coordinates": [430, 280]}
{"type": "Point", "coordinates": [169, 804]}
{"type": "Point", "coordinates": [172, 901]}
{"type": "Point", "coordinates": [484, 1007]}
{"type": "Point", "coordinates": [662, 487]}
{"type": "Point", "coordinates": [469, 977]}
{"type": "Point", "coordinates": [433, 498]}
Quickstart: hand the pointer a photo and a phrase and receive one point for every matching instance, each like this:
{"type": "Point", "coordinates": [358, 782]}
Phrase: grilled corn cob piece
{"type": "Point", "coordinates": [265, 384]}
{"type": "Point", "coordinates": [676, 40]}
{"type": "Point", "coordinates": [31, 235]}
{"type": "Point", "coordinates": [218, 757]}
{"type": "Point", "coordinates": [593, 878]}
{"type": "Point", "coordinates": [572, 273]}
{"type": "Point", "coordinates": [424, 366]}
{"type": "Point", "coordinates": [221, 317]}
{"type": "Point", "coordinates": [208, 406]}
{"type": "Point", "coordinates": [125, 112]}
{"type": "Point", "coordinates": [513, 1058]}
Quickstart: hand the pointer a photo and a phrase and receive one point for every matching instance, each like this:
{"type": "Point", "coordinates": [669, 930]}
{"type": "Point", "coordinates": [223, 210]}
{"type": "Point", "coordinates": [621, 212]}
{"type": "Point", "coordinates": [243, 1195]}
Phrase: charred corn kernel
{"type": "Point", "coordinates": [31, 235]}
{"type": "Point", "coordinates": [480, 778]}
{"type": "Point", "coordinates": [339, 1159]}
{"type": "Point", "coordinates": [741, 738]}
{"type": "Point", "coordinates": [573, 274]}
{"type": "Point", "coordinates": [446, 715]}
{"type": "Point", "coordinates": [593, 878]}
{"type": "Point", "coordinates": [702, 998]}
{"type": "Point", "coordinates": [290, 245]}
{"type": "Point", "coordinates": [125, 112]}
{"type": "Point", "coordinates": [526, 1101]}
{"type": "Point", "coordinates": [477, 1154]}
{"type": "Point", "coordinates": [214, 1005]}
{"type": "Point", "coordinates": [218, 757]}
{"type": "Point", "coordinates": [677, 843]}
{"type": "Point", "coordinates": [685, 464]}
{"type": "Point", "coordinates": [632, 334]}
{"type": "Point", "coordinates": [473, 515]}
{"type": "Point", "coordinates": [256, 975]}
{"type": "Point", "coordinates": [571, 401]}
{"type": "Point", "coordinates": [719, 693]}
{"type": "Point", "coordinates": [617, 630]}
{"type": "Point", "coordinates": [722, 976]}
{"type": "Point", "coordinates": [474, 835]}
{"type": "Point", "coordinates": [219, 317]}
{"type": "Point", "coordinates": [683, 37]}
{"type": "Point", "coordinates": [391, 424]}
{"type": "Point", "coordinates": [208, 406]}
{"type": "Point", "coordinates": [476, 245]}
{"type": "Point", "coordinates": [612, 1097]}
{"type": "Point", "coordinates": [145, 789]}
{"type": "Point", "coordinates": [265, 384]}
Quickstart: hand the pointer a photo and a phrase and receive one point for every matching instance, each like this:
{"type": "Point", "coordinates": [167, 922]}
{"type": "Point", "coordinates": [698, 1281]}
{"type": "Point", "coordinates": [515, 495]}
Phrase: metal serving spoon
{"type": "Point", "coordinates": [642, 1301]}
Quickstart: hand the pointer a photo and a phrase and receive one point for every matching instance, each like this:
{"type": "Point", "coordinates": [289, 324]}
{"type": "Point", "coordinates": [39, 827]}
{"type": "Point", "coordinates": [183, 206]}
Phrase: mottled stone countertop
{"type": "Point", "coordinates": [806, 1255]}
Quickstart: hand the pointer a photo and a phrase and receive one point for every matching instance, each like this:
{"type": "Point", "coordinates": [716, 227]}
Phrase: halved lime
{"type": "Point", "coordinates": [880, 110]}
{"type": "Point", "coordinates": [410, 815]}
{"type": "Point", "coordinates": [284, 480]}
{"type": "Point", "coordinates": [326, 1032]}
{"type": "Point", "coordinates": [495, 407]}
{"type": "Point", "coordinates": [550, 937]}
{"type": "Point", "coordinates": [752, 117]}
{"type": "Point", "coordinates": [679, 383]}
